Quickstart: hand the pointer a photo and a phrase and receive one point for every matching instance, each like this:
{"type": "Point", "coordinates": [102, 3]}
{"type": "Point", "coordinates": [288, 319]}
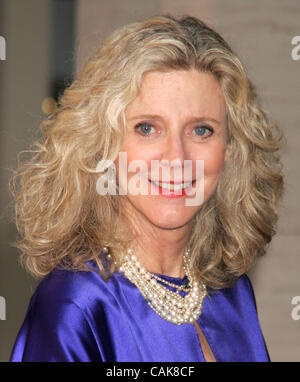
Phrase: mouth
{"type": "Point", "coordinates": [172, 188]}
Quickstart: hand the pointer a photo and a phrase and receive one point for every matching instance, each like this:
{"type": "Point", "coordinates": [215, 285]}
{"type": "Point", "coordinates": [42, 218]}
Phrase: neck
{"type": "Point", "coordinates": [159, 250]}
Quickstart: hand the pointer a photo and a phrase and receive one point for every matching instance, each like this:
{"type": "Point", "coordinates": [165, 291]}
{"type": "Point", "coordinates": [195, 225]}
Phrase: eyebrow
{"type": "Point", "coordinates": [191, 120]}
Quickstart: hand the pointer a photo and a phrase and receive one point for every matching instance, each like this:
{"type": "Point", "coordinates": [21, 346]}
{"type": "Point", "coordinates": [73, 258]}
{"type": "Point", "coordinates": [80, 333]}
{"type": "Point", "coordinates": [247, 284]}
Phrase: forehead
{"type": "Point", "coordinates": [179, 92]}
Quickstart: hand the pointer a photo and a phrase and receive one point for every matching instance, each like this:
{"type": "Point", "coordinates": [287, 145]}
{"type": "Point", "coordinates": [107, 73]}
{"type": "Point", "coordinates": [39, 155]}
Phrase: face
{"type": "Point", "coordinates": [177, 120]}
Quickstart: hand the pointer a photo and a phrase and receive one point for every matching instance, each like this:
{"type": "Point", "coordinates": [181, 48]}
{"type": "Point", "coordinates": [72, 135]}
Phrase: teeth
{"type": "Point", "coordinates": [172, 186]}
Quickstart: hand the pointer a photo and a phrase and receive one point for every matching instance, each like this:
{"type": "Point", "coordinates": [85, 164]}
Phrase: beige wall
{"type": "Point", "coordinates": [259, 30]}
{"type": "Point", "coordinates": [24, 84]}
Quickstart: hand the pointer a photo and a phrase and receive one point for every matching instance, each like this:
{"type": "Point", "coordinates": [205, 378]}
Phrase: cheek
{"type": "Point", "coordinates": [136, 163]}
{"type": "Point", "coordinates": [136, 153]}
{"type": "Point", "coordinates": [214, 162]}
{"type": "Point", "coordinates": [214, 158]}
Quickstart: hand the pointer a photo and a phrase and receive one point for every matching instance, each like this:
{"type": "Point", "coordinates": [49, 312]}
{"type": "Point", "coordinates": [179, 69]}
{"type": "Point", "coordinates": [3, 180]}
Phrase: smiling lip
{"type": "Point", "coordinates": [172, 189]}
{"type": "Point", "coordinates": [172, 181]}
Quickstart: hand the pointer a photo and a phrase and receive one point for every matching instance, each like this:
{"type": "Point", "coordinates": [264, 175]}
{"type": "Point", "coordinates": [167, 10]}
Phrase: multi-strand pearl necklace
{"type": "Point", "coordinates": [168, 304]}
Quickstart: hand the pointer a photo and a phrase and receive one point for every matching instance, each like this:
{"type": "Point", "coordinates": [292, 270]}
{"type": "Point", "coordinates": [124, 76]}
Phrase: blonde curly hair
{"type": "Point", "coordinates": [61, 219]}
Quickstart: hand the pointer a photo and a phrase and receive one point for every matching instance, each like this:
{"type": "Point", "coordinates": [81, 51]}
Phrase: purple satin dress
{"type": "Point", "coordinates": [76, 316]}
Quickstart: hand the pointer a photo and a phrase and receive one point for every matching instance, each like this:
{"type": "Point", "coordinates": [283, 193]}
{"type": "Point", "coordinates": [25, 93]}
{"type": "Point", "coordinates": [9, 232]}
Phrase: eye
{"type": "Point", "coordinates": [203, 131]}
{"type": "Point", "coordinates": [145, 128]}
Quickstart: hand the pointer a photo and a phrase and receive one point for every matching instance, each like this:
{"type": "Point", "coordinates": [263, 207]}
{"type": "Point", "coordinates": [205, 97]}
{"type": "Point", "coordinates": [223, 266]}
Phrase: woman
{"type": "Point", "coordinates": [153, 191]}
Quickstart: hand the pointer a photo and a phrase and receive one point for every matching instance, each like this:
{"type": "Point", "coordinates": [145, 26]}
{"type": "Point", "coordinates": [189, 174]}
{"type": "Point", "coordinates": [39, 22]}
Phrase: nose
{"type": "Point", "coordinates": [173, 156]}
{"type": "Point", "coordinates": [174, 151]}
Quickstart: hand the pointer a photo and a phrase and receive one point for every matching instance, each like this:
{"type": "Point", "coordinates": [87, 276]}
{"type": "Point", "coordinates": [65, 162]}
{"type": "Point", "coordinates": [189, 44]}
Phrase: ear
{"type": "Point", "coordinates": [227, 151]}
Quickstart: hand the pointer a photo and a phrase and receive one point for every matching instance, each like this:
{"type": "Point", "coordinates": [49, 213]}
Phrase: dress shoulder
{"type": "Point", "coordinates": [58, 324]}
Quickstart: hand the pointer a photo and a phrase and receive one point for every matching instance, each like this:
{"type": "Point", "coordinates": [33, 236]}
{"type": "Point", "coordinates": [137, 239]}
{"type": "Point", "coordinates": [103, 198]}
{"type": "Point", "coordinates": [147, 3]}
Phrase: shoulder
{"type": "Point", "coordinates": [245, 286]}
{"type": "Point", "coordinates": [59, 324]}
{"type": "Point", "coordinates": [240, 294]}
{"type": "Point", "coordinates": [230, 318]}
{"type": "Point", "coordinates": [79, 289]}
{"type": "Point", "coordinates": [242, 286]}
{"type": "Point", "coordinates": [243, 283]}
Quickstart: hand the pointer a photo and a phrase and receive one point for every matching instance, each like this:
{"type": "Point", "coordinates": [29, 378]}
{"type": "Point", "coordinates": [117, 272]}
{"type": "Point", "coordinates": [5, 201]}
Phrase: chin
{"type": "Point", "coordinates": [160, 215]}
{"type": "Point", "coordinates": [170, 223]}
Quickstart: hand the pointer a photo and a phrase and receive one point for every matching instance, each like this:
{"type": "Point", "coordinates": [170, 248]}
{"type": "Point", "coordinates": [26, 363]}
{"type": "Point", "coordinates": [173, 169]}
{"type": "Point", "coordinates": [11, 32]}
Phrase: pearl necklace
{"type": "Point", "coordinates": [168, 304]}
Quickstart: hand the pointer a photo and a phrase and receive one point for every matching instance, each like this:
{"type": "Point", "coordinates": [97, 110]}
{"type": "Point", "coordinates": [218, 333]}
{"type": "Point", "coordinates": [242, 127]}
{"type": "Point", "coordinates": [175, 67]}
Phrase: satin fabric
{"type": "Point", "coordinates": [77, 316]}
